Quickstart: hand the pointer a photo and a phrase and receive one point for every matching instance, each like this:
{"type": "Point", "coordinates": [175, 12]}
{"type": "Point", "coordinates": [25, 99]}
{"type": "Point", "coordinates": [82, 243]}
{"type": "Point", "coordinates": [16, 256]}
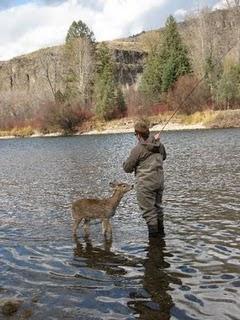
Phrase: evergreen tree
{"type": "Point", "coordinates": [165, 64]}
{"type": "Point", "coordinates": [228, 87]}
{"type": "Point", "coordinates": [108, 96]}
{"type": "Point", "coordinates": [79, 30]}
{"type": "Point", "coordinates": [151, 80]}
{"type": "Point", "coordinates": [173, 55]}
{"type": "Point", "coordinates": [120, 102]}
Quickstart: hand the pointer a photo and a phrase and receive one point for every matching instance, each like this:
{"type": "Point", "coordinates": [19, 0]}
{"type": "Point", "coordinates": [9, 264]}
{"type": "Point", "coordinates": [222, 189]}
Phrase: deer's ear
{"type": "Point", "coordinates": [113, 184]}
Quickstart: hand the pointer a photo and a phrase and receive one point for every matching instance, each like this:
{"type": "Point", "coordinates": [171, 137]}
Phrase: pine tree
{"type": "Point", "coordinates": [108, 95]}
{"type": "Point", "coordinates": [173, 55]}
{"type": "Point", "coordinates": [120, 102]}
{"type": "Point", "coordinates": [151, 80]}
{"type": "Point", "coordinates": [165, 64]}
{"type": "Point", "coordinates": [79, 30]}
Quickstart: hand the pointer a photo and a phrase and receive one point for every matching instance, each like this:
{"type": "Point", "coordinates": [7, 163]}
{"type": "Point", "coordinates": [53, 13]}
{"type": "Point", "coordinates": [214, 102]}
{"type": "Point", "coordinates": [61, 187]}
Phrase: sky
{"type": "Point", "coordinates": [28, 25]}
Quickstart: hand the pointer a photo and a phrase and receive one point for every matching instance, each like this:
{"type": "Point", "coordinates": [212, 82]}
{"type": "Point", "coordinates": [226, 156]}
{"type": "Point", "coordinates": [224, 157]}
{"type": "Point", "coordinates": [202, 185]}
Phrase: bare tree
{"type": "Point", "coordinates": [235, 4]}
{"type": "Point", "coordinates": [49, 66]}
{"type": "Point", "coordinates": [80, 69]}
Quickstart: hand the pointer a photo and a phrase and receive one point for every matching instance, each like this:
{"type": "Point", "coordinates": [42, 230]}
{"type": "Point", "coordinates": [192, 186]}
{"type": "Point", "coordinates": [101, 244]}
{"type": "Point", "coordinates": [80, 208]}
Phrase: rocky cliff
{"type": "Point", "coordinates": [38, 73]}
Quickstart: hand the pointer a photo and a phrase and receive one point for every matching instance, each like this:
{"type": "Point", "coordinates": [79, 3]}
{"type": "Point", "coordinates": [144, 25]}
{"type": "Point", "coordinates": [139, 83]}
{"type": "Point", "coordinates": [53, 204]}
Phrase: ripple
{"type": "Point", "coordinates": [192, 274]}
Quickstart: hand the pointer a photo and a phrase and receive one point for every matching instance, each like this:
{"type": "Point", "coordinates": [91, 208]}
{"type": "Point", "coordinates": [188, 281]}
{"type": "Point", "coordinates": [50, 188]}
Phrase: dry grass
{"type": "Point", "coordinates": [18, 132]}
{"type": "Point", "coordinates": [198, 117]}
{"type": "Point", "coordinates": [209, 119]}
{"type": "Point", "coordinates": [225, 119]}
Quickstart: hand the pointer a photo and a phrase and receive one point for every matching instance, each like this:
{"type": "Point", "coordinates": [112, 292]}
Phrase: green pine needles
{"type": "Point", "coordinates": [79, 30]}
{"type": "Point", "coordinates": [109, 100]}
{"type": "Point", "coordinates": [166, 63]}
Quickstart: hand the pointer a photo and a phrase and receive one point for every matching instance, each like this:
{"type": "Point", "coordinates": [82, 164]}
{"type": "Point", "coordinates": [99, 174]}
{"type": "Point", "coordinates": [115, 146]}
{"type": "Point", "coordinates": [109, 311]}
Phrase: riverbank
{"type": "Point", "coordinates": [112, 128]}
{"type": "Point", "coordinates": [128, 126]}
{"type": "Point", "coordinates": [199, 120]}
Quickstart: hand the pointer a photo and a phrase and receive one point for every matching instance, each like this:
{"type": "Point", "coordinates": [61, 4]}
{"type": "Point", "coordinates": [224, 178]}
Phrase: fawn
{"type": "Point", "coordinates": [102, 209]}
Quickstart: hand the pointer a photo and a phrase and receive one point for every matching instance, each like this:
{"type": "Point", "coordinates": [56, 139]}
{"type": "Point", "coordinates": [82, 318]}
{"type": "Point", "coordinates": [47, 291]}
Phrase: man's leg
{"type": "Point", "coordinates": [146, 200]}
{"type": "Point", "coordinates": [159, 208]}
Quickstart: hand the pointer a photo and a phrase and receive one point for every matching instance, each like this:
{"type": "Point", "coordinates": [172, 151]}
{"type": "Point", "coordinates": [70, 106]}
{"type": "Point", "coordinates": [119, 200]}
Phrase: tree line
{"type": "Point", "coordinates": [91, 88]}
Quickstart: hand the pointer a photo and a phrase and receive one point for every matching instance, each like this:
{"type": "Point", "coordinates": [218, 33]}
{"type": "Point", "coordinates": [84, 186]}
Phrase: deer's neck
{"type": "Point", "coordinates": [115, 199]}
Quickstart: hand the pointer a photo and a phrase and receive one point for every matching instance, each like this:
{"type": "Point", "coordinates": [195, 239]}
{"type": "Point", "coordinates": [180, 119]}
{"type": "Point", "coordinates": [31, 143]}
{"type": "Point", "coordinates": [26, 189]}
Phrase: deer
{"type": "Point", "coordinates": [95, 208]}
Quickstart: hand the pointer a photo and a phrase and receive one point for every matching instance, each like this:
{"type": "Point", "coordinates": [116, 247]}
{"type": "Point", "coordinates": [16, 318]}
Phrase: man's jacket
{"type": "Point", "coordinates": [146, 160]}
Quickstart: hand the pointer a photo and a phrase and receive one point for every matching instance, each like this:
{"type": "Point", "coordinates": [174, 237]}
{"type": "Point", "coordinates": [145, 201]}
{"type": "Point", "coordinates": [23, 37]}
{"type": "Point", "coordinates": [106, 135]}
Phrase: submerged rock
{"type": "Point", "coordinates": [11, 306]}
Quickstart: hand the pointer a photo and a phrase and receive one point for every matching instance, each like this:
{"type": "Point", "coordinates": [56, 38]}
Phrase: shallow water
{"type": "Point", "coordinates": [194, 273]}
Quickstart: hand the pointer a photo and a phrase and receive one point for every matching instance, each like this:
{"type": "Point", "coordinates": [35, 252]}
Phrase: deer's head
{"type": "Point", "coordinates": [121, 187]}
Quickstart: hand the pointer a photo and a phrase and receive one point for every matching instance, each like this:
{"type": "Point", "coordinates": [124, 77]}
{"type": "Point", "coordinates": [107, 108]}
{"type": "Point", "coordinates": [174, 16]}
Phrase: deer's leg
{"type": "Point", "coordinates": [109, 228]}
{"type": "Point", "coordinates": [104, 226]}
{"type": "Point", "coordinates": [86, 227]}
{"type": "Point", "coordinates": [75, 226]}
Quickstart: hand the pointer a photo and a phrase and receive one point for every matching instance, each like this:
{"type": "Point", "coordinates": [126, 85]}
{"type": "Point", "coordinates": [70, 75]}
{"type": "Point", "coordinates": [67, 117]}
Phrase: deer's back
{"type": "Point", "coordinates": [92, 208]}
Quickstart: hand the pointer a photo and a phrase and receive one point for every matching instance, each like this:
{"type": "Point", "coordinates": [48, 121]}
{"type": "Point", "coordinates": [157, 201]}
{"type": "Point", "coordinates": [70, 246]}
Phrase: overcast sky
{"type": "Point", "coordinates": [28, 25]}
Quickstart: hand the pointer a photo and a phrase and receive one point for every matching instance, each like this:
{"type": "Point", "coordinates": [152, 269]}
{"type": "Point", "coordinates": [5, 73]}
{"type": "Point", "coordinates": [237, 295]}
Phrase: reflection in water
{"type": "Point", "coordinates": [129, 278]}
{"type": "Point", "coordinates": [153, 300]}
{"type": "Point", "coordinates": [102, 258]}
{"type": "Point", "coordinates": [157, 283]}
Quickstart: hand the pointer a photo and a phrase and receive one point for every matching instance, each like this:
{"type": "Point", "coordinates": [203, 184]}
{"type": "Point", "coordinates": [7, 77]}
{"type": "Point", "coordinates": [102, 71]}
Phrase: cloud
{"type": "Point", "coordinates": [180, 13]}
{"type": "Point", "coordinates": [36, 24]}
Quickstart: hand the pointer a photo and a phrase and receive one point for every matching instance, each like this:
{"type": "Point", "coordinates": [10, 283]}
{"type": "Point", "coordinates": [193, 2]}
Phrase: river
{"type": "Point", "coordinates": [193, 273]}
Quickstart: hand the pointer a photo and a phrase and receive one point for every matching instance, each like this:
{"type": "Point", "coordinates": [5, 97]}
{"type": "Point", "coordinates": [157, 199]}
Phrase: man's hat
{"type": "Point", "coordinates": [141, 126]}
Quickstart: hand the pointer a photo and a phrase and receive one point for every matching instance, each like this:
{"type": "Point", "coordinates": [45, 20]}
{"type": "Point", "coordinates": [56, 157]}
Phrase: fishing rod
{"type": "Point", "coordinates": [194, 88]}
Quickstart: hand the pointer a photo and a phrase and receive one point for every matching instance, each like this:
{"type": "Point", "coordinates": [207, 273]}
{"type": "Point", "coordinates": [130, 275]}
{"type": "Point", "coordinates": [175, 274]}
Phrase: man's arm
{"type": "Point", "coordinates": [131, 163]}
{"type": "Point", "coordinates": [162, 148]}
{"type": "Point", "coordinates": [164, 154]}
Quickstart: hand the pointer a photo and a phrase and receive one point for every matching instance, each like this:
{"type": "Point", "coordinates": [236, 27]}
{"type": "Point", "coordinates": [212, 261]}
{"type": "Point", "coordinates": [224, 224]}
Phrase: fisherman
{"type": "Point", "coordinates": [146, 160]}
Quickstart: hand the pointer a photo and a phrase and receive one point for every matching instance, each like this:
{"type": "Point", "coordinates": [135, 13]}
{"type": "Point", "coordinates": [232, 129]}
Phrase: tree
{"type": "Point", "coordinates": [151, 81]}
{"type": "Point", "coordinates": [80, 59]}
{"type": "Point", "coordinates": [235, 23]}
{"type": "Point", "coordinates": [79, 30]}
{"type": "Point", "coordinates": [228, 87]}
{"type": "Point", "coordinates": [109, 99]}
{"type": "Point", "coordinates": [165, 64]}
{"type": "Point", "coordinates": [213, 72]}
{"type": "Point", "coordinates": [173, 55]}
{"type": "Point", "coordinates": [49, 65]}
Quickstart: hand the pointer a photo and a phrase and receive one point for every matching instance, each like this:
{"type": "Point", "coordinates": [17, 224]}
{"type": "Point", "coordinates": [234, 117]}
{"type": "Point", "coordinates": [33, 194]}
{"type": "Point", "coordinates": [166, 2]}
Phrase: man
{"type": "Point", "coordinates": [146, 160]}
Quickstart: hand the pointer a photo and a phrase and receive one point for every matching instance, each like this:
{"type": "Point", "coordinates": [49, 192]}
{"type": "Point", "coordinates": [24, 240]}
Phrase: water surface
{"type": "Point", "coordinates": [194, 273]}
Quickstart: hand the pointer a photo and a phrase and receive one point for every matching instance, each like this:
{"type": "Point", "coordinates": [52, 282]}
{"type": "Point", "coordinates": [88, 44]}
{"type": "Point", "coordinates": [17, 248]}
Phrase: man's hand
{"type": "Point", "coordinates": [157, 136]}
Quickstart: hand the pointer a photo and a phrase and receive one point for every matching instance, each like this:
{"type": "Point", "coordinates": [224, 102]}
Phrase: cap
{"type": "Point", "coordinates": [141, 126]}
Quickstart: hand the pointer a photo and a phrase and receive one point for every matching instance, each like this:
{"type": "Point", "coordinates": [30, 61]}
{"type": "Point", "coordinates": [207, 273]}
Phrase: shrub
{"type": "Point", "coordinates": [188, 95]}
{"type": "Point", "coordinates": [22, 132]}
{"type": "Point", "coordinates": [61, 117]}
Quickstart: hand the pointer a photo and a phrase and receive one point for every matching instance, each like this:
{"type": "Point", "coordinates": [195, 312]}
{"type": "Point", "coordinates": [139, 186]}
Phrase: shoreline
{"type": "Point", "coordinates": [114, 130]}
{"type": "Point", "coordinates": [208, 119]}
{"type": "Point", "coordinates": [157, 127]}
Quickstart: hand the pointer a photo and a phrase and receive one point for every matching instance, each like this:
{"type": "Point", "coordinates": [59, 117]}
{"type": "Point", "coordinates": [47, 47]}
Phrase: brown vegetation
{"type": "Point", "coordinates": [225, 119]}
{"type": "Point", "coordinates": [52, 90]}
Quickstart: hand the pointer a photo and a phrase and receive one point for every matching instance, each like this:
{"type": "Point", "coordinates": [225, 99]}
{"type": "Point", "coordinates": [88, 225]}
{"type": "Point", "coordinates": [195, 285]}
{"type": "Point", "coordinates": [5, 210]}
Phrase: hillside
{"type": "Point", "coordinates": [215, 32]}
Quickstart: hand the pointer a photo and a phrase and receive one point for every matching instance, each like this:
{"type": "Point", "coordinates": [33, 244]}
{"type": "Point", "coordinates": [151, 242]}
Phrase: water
{"type": "Point", "coordinates": [194, 273]}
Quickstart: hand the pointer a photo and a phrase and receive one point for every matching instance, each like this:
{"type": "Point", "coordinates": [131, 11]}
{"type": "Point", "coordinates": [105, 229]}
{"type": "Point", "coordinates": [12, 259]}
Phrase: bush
{"type": "Point", "coordinates": [61, 117]}
{"type": "Point", "coordinates": [225, 119]}
{"type": "Point", "coordinates": [228, 87]}
{"type": "Point", "coordinates": [188, 95]}
{"type": "Point", "coordinates": [22, 132]}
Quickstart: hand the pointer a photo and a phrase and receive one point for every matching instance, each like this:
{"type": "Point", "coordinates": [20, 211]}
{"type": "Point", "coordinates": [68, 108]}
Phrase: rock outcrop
{"type": "Point", "coordinates": [40, 73]}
